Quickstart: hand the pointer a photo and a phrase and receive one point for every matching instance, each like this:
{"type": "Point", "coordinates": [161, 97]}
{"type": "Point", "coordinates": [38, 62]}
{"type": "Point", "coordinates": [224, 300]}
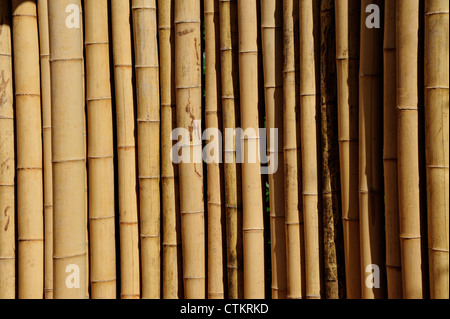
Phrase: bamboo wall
{"type": "Point", "coordinates": [93, 205]}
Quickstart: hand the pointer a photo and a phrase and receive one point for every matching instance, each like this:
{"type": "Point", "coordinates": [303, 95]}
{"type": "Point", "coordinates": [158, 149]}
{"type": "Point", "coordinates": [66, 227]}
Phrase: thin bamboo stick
{"type": "Point", "coordinates": [188, 97]}
{"type": "Point", "coordinates": [148, 120]}
{"type": "Point", "coordinates": [100, 152]}
{"type": "Point", "coordinates": [213, 118]}
{"type": "Point", "coordinates": [393, 254]}
{"type": "Point", "coordinates": [128, 210]}
{"type": "Point", "coordinates": [7, 158]}
{"type": "Point", "coordinates": [437, 149]}
{"type": "Point", "coordinates": [29, 150]}
{"type": "Point", "coordinates": [172, 263]}
{"type": "Point", "coordinates": [68, 156]}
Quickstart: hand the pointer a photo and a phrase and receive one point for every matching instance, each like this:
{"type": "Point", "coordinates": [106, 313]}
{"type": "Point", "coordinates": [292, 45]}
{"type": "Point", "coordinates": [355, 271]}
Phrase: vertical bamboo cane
{"type": "Point", "coordinates": [437, 149]}
{"type": "Point", "coordinates": [29, 150]}
{"type": "Point", "coordinates": [172, 271]}
{"type": "Point", "coordinates": [189, 91]}
{"type": "Point", "coordinates": [272, 41]}
{"type": "Point", "coordinates": [100, 152]}
{"type": "Point", "coordinates": [68, 156]}
{"type": "Point", "coordinates": [230, 111]}
{"type": "Point", "coordinates": [213, 118]}
{"type": "Point", "coordinates": [408, 147]}
{"type": "Point", "coordinates": [128, 211]}
{"type": "Point", "coordinates": [393, 254]}
{"type": "Point", "coordinates": [7, 168]}
{"type": "Point", "coordinates": [148, 120]}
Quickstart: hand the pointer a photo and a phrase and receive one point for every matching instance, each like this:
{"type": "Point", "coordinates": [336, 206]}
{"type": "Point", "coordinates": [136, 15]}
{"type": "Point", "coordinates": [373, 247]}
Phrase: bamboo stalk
{"type": "Point", "coordinates": [393, 254]}
{"type": "Point", "coordinates": [148, 120]}
{"type": "Point", "coordinates": [408, 147]}
{"type": "Point", "coordinates": [29, 150]}
{"type": "Point", "coordinates": [252, 223]}
{"type": "Point", "coordinates": [172, 263]}
{"type": "Point", "coordinates": [100, 152]}
{"type": "Point", "coordinates": [370, 157]}
{"type": "Point", "coordinates": [347, 66]}
{"type": "Point", "coordinates": [126, 150]}
{"type": "Point", "coordinates": [437, 149]}
{"type": "Point", "coordinates": [232, 170]}
{"type": "Point", "coordinates": [188, 97]}
{"type": "Point", "coordinates": [69, 237]}
{"type": "Point", "coordinates": [7, 158]}
{"type": "Point", "coordinates": [213, 119]}
{"type": "Point", "coordinates": [272, 38]}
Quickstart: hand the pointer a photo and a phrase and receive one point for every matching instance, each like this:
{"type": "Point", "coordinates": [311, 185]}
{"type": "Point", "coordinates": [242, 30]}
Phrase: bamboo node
{"type": "Point", "coordinates": [6, 54]}
{"type": "Point", "coordinates": [187, 21]}
{"type": "Point", "coordinates": [28, 168]}
{"type": "Point", "coordinates": [193, 212]}
{"type": "Point", "coordinates": [28, 94]}
{"type": "Point", "coordinates": [7, 258]}
{"type": "Point", "coordinates": [127, 223]}
{"type": "Point", "coordinates": [442, 250]}
{"type": "Point", "coordinates": [149, 177]}
{"type": "Point", "coordinates": [435, 12]}
{"type": "Point", "coordinates": [189, 87]}
{"type": "Point", "coordinates": [103, 280]}
{"type": "Point", "coordinates": [99, 98]}
{"type": "Point", "coordinates": [100, 157]}
{"type": "Point", "coordinates": [143, 7]}
{"type": "Point", "coordinates": [69, 256]}
{"type": "Point", "coordinates": [99, 42]}
{"type": "Point", "coordinates": [147, 66]}
{"type": "Point", "coordinates": [253, 230]}
{"type": "Point", "coordinates": [102, 217]}
{"type": "Point", "coordinates": [150, 236]}
{"type": "Point", "coordinates": [194, 277]}
{"type": "Point", "coordinates": [24, 15]}
{"type": "Point", "coordinates": [65, 59]}
{"type": "Point", "coordinates": [69, 160]}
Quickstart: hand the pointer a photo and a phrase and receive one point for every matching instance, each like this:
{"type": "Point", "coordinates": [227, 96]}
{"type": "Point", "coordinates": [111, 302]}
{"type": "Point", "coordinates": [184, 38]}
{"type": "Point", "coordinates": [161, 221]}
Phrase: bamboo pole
{"type": "Point", "coordinates": [69, 237]}
{"type": "Point", "coordinates": [232, 170]}
{"type": "Point", "coordinates": [272, 38]}
{"type": "Point", "coordinates": [7, 158]}
{"type": "Point", "coordinates": [188, 98]}
{"type": "Point", "coordinates": [408, 147]}
{"type": "Point", "coordinates": [172, 271]}
{"type": "Point", "coordinates": [128, 210]}
{"type": "Point", "coordinates": [393, 254]}
{"type": "Point", "coordinates": [100, 152]}
{"type": "Point", "coordinates": [29, 150]}
{"type": "Point", "coordinates": [347, 66]}
{"type": "Point", "coordinates": [213, 119]}
{"type": "Point", "coordinates": [148, 120]}
{"type": "Point", "coordinates": [370, 157]}
{"type": "Point", "coordinates": [308, 109]}
{"type": "Point", "coordinates": [252, 223]}
{"type": "Point", "coordinates": [437, 149]}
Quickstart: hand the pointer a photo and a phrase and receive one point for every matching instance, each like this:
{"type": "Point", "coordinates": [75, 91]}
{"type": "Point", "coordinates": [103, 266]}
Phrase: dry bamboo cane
{"type": "Point", "coordinates": [347, 67]}
{"type": "Point", "coordinates": [370, 158]}
{"type": "Point", "coordinates": [100, 152]}
{"type": "Point", "coordinates": [7, 158]}
{"type": "Point", "coordinates": [172, 271]}
{"type": "Point", "coordinates": [437, 149]}
{"type": "Point", "coordinates": [68, 156]}
{"type": "Point", "coordinates": [291, 148]}
{"type": "Point", "coordinates": [213, 119]}
{"type": "Point", "coordinates": [408, 146]}
{"type": "Point", "coordinates": [272, 41]}
{"type": "Point", "coordinates": [126, 150]}
{"type": "Point", "coordinates": [29, 150]}
{"type": "Point", "coordinates": [148, 120]}
{"type": "Point", "coordinates": [230, 111]}
{"type": "Point", "coordinates": [308, 109]}
{"type": "Point", "coordinates": [393, 254]}
{"type": "Point", "coordinates": [188, 98]}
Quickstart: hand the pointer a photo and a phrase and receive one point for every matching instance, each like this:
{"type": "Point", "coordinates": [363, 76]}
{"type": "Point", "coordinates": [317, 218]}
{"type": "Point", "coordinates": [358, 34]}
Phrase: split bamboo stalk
{"type": "Point", "coordinates": [408, 147]}
{"type": "Point", "coordinates": [232, 170]}
{"type": "Point", "coordinates": [213, 119]}
{"type": "Point", "coordinates": [310, 183]}
{"type": "Point", "coordinates": [7, 159]}
{"type": "Point", "coordinates": [47, 145]}
{"type": "Point", "coordinates": [272, 41]}
{"type": "Point", "coordinates": [126, 150]}
{"type": "Point", "coordinates": [29, 150]}
{"type": "Point", "coordinates": [188, 98]}
{"type": "Point", "coordinates": [371, 213]}
{"type": "Point", "coordinates": [68, 156]}
{"type": "Point", "coordinates": [100, 152]}
{"type": "Point", "coordinates": [347, 66]}
{"type": "Point", "coordinates": [393, 253]}
{"type": "Point", "coordinates": [172, 271]}
{"type": "Point", "coordinates": [253, 221]}
{"type": "Point", "coordinates": [437, 149]}
{"type": "Point", "coordinates": [145, 31]}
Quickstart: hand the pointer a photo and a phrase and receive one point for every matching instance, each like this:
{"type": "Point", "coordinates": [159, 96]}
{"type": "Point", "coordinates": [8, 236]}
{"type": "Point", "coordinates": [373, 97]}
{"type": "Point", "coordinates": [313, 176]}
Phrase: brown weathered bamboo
{"type": "Point", "coordinates": [126, 149]}
{"type": "Point", "coordinates": [7, 158]}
